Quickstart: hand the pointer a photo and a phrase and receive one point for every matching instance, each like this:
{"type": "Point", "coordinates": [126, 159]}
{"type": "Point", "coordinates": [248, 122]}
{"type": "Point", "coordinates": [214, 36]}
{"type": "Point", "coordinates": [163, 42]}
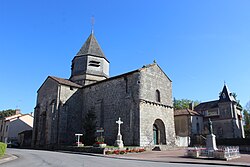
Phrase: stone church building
{"type": "Point", "coordinates": [141, 98]}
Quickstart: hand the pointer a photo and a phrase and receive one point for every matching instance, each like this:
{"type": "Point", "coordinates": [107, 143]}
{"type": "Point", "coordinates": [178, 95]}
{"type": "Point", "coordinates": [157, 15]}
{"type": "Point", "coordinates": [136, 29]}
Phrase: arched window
{"type": "Point", "coordinates": [158, 95]}
{"type": "Point", "coordinates": [53, 106]}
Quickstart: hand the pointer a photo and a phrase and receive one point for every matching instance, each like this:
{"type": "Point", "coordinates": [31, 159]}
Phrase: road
{"type": "Point", "coordinates": [39, 158]}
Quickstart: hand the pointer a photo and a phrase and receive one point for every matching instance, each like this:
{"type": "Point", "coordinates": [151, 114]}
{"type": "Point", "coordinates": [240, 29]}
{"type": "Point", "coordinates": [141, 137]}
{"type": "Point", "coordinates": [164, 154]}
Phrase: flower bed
{"type": "Point", "coordinates": [100, 144]}
{"type": "Point", "coordinates": [117, 151]}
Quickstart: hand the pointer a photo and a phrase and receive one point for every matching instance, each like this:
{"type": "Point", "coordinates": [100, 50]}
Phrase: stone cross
{"type": "Point", "coordinates": [119, 122]}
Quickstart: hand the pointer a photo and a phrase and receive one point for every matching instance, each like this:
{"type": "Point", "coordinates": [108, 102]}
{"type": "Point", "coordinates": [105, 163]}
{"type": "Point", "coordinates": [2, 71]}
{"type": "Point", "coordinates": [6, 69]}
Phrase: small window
{"type": "Point", "coordinates": [198, 128]}
{"type": "Point", "coordinates": [6, 128]}
{"type": "Point", "coordinates": [94, 63]}
{"type": "Point", "coordinates": [158, 95]}
{"type": "Point", "coordinates": [71, 88]}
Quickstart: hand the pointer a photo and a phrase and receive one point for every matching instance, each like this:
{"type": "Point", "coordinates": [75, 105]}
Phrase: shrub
{"type": "Point", "coordinates": [123, 152]}
{"type": "Point", "coordinates": [108, 152]}
{"type": "Point", "coordinates": [2, 148]}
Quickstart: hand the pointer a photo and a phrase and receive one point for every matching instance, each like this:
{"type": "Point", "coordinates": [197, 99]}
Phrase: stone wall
{"type": "Point", "coordinates": [89, 69]}
{"type": "Point", "coordinates": [152, 78]}
{"type": "Point", "coordinates": [50, 118]}
{"type": "Point", "coordinates": [71, 120]}
{"type": "Point", "coordinates": [182, 125]}
{"type": "Point", "coordinates": [111, 99]}
{"type": "Point", "coordinates": [46, 100]}
{"type": "Point", "coordinates": [149, 113]}
{"type": "Point", "coordinates": [131, 96]}
{"type": "Point", "coordinates": [227, 123]}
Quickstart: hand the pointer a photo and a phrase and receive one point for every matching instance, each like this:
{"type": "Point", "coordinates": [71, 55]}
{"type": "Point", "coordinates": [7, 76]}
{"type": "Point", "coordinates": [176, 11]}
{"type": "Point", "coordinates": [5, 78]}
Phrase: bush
{"type": "Point", "coordinates": [108, 152]}
{"type": "Point", "coordinates": [2, 148]}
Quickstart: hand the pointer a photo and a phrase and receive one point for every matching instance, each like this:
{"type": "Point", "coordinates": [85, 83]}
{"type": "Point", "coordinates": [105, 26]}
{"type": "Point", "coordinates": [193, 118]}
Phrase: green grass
{"type": "Point", "coordinates": [2, 148]}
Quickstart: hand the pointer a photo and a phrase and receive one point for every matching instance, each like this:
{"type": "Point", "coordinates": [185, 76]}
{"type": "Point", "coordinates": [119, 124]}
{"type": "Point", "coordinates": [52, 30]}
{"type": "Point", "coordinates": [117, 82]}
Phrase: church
{"type": "Point", "coordinates": [141, 98]}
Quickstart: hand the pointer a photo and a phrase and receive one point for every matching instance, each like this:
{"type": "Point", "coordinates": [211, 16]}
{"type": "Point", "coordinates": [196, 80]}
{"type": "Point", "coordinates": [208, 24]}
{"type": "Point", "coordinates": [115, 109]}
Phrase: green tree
{"type": "Point", "coordinates": [89, 127]}
{"type": "Point", "coordinates": [246, 114]}
{"type": "Point", "coordinates": [238, 101]}
{"type": "Point", "coordinates": [7, 113]}
{"type": "Point", "coordinates": [184, 103]}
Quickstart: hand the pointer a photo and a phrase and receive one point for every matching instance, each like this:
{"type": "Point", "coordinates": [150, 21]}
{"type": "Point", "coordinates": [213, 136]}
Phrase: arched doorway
{"type": "Point", "coordinates": [159, 134]}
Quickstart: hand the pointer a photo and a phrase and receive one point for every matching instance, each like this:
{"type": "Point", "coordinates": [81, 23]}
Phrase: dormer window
{"type": "Point", "coordinates": [94, 63]}
{"type": "Point", "coordinates": [223, 95]}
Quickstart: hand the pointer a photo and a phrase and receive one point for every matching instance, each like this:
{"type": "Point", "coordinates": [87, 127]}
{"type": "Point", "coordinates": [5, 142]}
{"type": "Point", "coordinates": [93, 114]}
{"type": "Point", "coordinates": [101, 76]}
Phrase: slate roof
{"type": "Point", "coordinates": [91, 47]}
{"type": "Point", "coordinates": [228, 97]}
{"type": "Point", "coordinates": [186, 112]}
{"type": "Point", "coordinates": [65, 82]}
{"type": "Point", "coordinates": [206, 105]}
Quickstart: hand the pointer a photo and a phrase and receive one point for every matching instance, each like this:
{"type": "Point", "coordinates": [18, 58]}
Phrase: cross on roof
{"type": "Point", "coordinates": [92, 24]}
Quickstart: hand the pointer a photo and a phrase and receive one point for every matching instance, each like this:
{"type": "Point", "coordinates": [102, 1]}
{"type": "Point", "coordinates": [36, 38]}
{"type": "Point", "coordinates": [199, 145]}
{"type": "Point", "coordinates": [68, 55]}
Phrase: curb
{"type": "Point", "coordinates": [179, 162]}
{"type": "Point", "coordinates": [148, 160]}
{"type": "Point", "coordinates": [9, 157]}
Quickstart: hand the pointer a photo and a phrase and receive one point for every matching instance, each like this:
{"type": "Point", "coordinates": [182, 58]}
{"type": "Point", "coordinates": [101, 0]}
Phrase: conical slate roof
{"type": "Point", "coordinates": [91, 47]}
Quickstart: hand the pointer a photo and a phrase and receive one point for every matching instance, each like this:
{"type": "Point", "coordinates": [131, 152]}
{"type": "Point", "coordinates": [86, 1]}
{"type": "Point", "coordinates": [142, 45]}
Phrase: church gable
{"type": "Point", "coordinates": [155, 85]}
{"type": "Point", "coordinates": [48, 90]}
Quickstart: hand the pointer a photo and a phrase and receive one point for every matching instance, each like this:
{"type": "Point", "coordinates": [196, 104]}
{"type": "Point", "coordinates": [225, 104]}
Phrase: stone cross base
{"type": "Point", "coordinates": [119, 142]}
{"type": "Point", "coordinates": [211, 142]}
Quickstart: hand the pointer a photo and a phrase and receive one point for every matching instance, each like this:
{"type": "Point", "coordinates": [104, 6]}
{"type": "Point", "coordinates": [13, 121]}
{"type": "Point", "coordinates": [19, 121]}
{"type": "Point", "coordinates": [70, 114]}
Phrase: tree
{"type": "Point", "coordinates": [246, 114]}
{"type": "Point", "coordinates": [184, 103]}
{"type": "Point", "coordinates": [7, 113]}
{"type": "Point", "coordinates": [89, 127]}
{"type": "Point", "coordinates": [237, 101]}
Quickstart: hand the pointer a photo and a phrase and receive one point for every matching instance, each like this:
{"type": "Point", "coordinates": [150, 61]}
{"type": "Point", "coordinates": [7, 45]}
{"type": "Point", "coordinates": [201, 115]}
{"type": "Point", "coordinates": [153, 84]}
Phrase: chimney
{"type": "Point", "coordinates": [18, 111]}
{"type": "Point", "coordinates": [191, 106]}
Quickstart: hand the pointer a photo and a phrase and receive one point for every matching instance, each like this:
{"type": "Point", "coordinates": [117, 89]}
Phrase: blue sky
{"type": "Point", "coordinates": [199, 44]}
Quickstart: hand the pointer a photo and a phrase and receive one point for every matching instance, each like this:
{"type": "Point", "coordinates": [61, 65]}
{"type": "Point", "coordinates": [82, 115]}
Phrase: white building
{"type": "Point", "coordinates": [12, 125]}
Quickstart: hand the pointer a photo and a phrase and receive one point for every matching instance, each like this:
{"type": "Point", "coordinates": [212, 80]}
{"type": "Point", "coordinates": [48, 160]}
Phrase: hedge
{"type": "Point", "coordinates": [2, 148]}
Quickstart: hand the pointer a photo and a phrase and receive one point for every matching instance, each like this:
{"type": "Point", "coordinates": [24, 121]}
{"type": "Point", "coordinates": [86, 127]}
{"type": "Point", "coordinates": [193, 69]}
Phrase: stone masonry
{"type": "Point", "coordinates": [141, 98]}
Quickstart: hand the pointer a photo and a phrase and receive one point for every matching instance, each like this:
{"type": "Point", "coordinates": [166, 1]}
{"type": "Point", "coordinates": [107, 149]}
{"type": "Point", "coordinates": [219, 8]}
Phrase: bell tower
{"type": "Point", "coordinates": [90, 64]}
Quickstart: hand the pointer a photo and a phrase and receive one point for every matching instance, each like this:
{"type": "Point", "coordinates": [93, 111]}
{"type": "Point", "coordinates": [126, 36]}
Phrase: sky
{"type": "Point", "coordinates": [200, 45]}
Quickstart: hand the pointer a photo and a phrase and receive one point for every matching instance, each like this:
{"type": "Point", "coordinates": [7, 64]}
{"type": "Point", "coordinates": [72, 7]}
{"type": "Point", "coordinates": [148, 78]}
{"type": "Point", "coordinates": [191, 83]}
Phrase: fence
{"type": "Point", "coordinates": [223, 152]}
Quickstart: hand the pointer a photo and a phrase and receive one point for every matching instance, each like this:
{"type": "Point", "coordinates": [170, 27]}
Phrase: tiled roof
{"type": "Point", "coordinates": [91, 47]}
{"type": "Point", "coordinates": [65, 82]}
{"type": "Point", "coordinates": [186, 112]}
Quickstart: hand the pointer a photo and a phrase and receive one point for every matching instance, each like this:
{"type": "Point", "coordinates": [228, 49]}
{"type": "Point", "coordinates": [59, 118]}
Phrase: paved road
{"type": "Point", "coordinates": [38, 158]}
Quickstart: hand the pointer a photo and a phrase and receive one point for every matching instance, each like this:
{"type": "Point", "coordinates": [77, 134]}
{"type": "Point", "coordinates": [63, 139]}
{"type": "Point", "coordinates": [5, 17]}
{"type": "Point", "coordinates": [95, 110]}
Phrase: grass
{"type": "Point", "coordinates": [2, 148]}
